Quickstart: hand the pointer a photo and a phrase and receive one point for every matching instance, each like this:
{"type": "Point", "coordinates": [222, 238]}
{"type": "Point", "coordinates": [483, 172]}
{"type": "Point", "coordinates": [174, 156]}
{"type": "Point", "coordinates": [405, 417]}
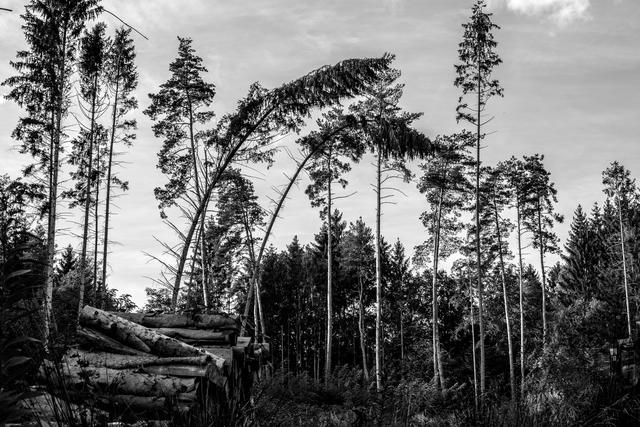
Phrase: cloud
{"type": "Point", "coordinates": [562, 12]}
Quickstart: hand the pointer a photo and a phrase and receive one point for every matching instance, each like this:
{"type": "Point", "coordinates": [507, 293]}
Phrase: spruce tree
{"type": "Point", "coordinates": [474, 77]}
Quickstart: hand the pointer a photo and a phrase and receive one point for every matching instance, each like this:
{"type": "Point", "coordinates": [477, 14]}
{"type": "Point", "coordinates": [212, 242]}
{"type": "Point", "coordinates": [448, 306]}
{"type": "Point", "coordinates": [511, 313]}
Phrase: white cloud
{"type": "Point", "coordinates": [562, 12]}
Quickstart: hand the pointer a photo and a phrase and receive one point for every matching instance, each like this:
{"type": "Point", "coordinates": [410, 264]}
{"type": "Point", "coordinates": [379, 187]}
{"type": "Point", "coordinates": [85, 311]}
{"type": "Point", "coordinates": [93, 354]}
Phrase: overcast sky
{"type": "Point", "coordinates": [571, 77]}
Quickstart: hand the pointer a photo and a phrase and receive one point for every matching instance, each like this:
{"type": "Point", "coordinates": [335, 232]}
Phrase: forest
{"type": "Point", "coordinates": [492, 320]}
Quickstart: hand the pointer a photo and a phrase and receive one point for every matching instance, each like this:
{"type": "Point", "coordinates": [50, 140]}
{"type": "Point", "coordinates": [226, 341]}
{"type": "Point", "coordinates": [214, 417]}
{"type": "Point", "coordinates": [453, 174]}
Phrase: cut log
{"type": "Point", "coordinates": [159, 344]}
{"type": "Point", "coordinates": [188, 371]}
{"type": "Point", "coordinates": [92, 339]}
{"type": "Point", "coordinates": [195, 334]}
{"type": "Point", "coordinates": [111, 325]}
{"type": "Point", "coordinates": [122, 381]}
{"type": "Point", "coordinates": [116, 361]}
{"type": "Point", "coordinates": [204, 321]}
{"type": "Point", "coordinates": [147, 404]}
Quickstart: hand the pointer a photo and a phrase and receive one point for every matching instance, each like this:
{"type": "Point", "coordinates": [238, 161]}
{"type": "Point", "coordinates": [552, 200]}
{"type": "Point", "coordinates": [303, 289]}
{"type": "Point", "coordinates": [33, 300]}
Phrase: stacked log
{"type": "Point", "coordinates": [156, 363]}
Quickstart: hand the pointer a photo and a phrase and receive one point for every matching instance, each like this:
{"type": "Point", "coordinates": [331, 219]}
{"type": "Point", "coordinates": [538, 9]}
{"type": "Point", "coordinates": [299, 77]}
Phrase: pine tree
{"type": "Point", "coordinates": [539, 218]}
{"type": "Point", "coordinates": [122, 80]}
{"type": "Point", "coordinates": [619, 186]}
{"type": "Point", "coordinates": [51, 29]}
{"type": "Point", "coordinates": [477, 60]}
{"type": "Point", "coordinates": [447, 189]}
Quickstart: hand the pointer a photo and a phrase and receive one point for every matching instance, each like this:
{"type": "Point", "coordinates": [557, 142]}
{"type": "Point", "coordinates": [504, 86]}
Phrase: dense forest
{"type": "Point", "coordinates": [492, 320]}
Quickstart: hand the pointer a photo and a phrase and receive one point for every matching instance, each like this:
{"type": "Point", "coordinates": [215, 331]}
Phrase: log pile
{"type": "Point", "coordinates": [155, 364]}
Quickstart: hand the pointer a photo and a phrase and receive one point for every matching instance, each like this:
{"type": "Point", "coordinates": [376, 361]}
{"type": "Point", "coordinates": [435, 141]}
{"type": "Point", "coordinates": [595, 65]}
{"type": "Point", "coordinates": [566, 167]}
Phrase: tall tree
{"type": "Point", "coordinates": [51, 30]}
{"type": "Point", "coordinates": [445, 184]}
{"type": "Point", "coordinates": [122, 80]}
{"type": "Point", "coordinates": [474, 77]}
{"type": "Point", "coordinates": [619, 186]}
{"type": "Point", "coordinates": [93, 49]}
{"type": "Point", "coordinates": [539, 219]}
{"type": "Point", "coordinates": [179, 110]}
{"type": "Point", "coordinates": [327, 168]}
{"type": "Point", "coordinates": [390, 136]}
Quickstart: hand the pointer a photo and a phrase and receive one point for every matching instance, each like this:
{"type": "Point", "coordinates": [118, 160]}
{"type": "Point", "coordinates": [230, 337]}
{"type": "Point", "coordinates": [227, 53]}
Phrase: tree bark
{"type": "Point", "coordinates": [378, 275]}
{"type": "Point", "coordinates": [521, 292]}
{"type": "Point", "coordinates": [327, 366]}
{"type": "Point", "coordinates": [363, 348]}
{"type": "Point", "coordinates": [624, 269]}
{"type": "Point", "coordinates": [478, 259]}
{"type": "Point", "coordinates": [544, 278]}
{"type": "Point", "coordinates": [473, 345]}
{"type": "Point", "coordinates": [97, 340]}
{"type": "Point", "coordinates": [170, 320]}
{"type": "Point", "coordinates": [438, 370]}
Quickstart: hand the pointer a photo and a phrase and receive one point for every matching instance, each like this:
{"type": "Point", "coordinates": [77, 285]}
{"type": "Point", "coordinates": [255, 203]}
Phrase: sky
{"type": "Point", "coordinates": [570, 72]}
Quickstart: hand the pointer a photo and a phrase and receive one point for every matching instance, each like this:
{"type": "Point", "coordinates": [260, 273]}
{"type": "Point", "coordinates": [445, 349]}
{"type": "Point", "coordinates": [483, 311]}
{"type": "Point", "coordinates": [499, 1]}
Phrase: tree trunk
{"type": "Point", "coordinates": [512, 380]}
{"type": "Point", "coordinates": [107, 202]}
{"type": "Point", "coordinates": [624, 269]}
{"type": "Point", "coordinates": [473, 346]}
{"type": "Point", "coordinates": [363, 348]}
{"type": "Point", "coordinates": [169, 320]}
{"type": "Point", "coordinates": [378, 275]}
{"type": "Point", "coordinates": [521, 292]}
{"type": "Point", "coordinates": [544, 279]}
{"type": "Point", "coordinates": [110, 360]}
{"type": "Point", "coordinates": [478, 259]}
{"type": "Point", "coordinates": [327, 366]}
{"type": "Point", "coordinates": [438, 370]}
{"type": "Point", "coordinates": [87, 202]}
{"type": "Point", "coordinates": [96, 218]}
{"type": "Point", "coordinates": [97, 340]}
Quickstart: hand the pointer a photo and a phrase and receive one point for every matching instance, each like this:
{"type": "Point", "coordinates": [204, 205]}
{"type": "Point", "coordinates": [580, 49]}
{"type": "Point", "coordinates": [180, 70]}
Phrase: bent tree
{"type": "Point", "coordinates": [243, 134]}
{"type": "Point", "coordinates": [474, 77]}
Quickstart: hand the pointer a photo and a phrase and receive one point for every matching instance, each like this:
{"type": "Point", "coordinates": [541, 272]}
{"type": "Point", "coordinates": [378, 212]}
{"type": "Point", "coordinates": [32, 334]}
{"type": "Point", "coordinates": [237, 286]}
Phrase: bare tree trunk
{"type": "Point", "coordinates": [87, 203]}
{"type": "Point", "coordinates": [378, 275]}
{"type": "Point", "coordinates": [96, 218]}
{"type": "Point", "coordinates": [473, 345]}
{"type": "Point", "coordinates": [363, 348]}
{"type": "Point", "coordinates": [438, 370]}
{"type": "Point", "coordinates": [107, 201]}
{"type": "Point", "coordinates": [512, 380]}
{"type": "Point", "coordinates": [624, 269]}
{"type": "Point", "coordinates": [521, 291]}
{"type": "Point", "coordinates": [478, 260]}
{"type": "Point", "coordinates": [327, 367]}
{"type": "Point", "coordinates": [401, 337]}
{"type": "Point", "coordinates": [544, 279]}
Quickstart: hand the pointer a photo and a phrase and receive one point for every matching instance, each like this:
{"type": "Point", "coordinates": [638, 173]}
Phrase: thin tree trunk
{"type": "Point", "coordinates": [473, 345]}
{"type": "Point", "coordinates": [363, 348]}
{"type": "Point", "coordinates": [544, 279]}
{"type": "Point", "coordinates": [327, 368]}
{"type": "Point", "coordinates": [521, 291]}
{"type": "Point", "coordinates": [96, 218]}
{"type": "Point", "coordinates": [478, 260]}
{"type": "Point", "coordinates": [107, 201]}
{"type": "Point", "coordinates": [401, 337]}
{"type": "Point", "coordinates": [378, 274]}
{"type": "Point", "coordinates": [624, 269]}
{"type": "Point", "coordinates": [87, 203]}
{"type": "Point", "coordinates": [438, 370]}
{"type": "Point", "coordinates": [512, 379]}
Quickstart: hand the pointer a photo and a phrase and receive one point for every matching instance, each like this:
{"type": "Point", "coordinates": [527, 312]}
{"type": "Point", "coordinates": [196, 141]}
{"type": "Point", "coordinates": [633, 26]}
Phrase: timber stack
{"type": "Point", "coordinates": [155, 364]}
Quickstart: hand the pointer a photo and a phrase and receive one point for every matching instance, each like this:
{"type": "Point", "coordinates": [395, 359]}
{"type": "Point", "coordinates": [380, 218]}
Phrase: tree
{"type": "Point", "coordinates": [539, 218]}
{"type": "Point", "coordinates": [122, 80]}
{"type": "Point", "coordinates": [477, 60]}
{"type": "Point", "coordinates": [91, 69]}
{"type": "Point", "coordinates": [359, 253]}
{"type": "Point", "coordinates": [446, 187]}
{"type": "Point", "coordinates": [619, 186]}
{"type": "Point", "coordinates": [51, 30]}
{"type": "Point", "coordinates": [498, 198]}
{"type": "Point", "coordinates": [328, 167]}
{"type": "Point", "coordinates": [178, 109]}
{"type": "Point", "coordinates": [390, 136]}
